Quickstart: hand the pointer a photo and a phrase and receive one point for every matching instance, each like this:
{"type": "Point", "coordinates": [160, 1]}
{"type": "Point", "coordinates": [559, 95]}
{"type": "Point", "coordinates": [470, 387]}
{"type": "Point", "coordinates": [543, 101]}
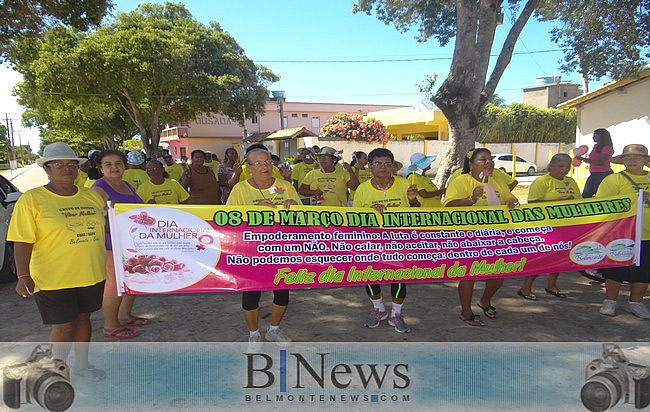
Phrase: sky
{"type": "Point", "coordinates": [307, 33]}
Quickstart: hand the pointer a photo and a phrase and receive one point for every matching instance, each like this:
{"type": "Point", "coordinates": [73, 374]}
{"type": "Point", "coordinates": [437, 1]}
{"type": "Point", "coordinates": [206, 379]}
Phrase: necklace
{"type": "Point", "coordinates": [259, 189]}
{"type": "Point", "coordinates": [384, 188]}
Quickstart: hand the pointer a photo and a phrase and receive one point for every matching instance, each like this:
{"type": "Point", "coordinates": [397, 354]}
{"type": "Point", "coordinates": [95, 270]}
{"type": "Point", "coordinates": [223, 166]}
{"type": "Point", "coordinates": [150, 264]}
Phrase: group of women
{"type": "Point", "coordinates": [63, 252]}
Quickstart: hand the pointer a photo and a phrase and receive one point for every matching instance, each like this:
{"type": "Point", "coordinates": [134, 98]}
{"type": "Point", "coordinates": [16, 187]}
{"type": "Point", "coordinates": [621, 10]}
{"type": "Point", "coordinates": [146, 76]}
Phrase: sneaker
{"type": "Point", "coordinates": [278, 337]}
{"type": "Point", "coordinates": [638, 309]}
{"type": "Point", "coordinates": [254, 343]}
{"type": "Point", "coordinates": [398, 322]}
{"type": "Point", "coordinates": [608, 308]}
{"type": "Point", "coordinates": [375, 317]}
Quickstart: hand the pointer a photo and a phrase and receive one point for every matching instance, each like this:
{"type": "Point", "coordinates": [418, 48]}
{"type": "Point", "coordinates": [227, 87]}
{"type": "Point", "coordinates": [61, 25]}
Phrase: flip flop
{"type": "Point", "coordinates": [121, 333]}
{"type": "Point", "coordinates": [138, 321]}
{"type": "Point", "coordinates": [474, 320]}
{"type": "Point", "coordinates": [525, 296]}
{"type": "Point", "coordinates": [490, 311]}
{"type": "Point", "coordinates": [557, 294]}
{"type": "Point", "coordinates": [91, 374]}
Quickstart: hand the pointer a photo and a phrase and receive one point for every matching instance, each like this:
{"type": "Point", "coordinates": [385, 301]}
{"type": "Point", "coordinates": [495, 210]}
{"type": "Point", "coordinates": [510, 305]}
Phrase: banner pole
{"type": "Point", "coordinates": [638, 229]}
{"type": "Point", "coordinates": [115, 247]}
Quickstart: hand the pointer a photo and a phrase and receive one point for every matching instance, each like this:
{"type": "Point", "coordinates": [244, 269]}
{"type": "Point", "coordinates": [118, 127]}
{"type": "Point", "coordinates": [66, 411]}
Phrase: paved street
{"type": "Point", "coordinates": [26, 178]}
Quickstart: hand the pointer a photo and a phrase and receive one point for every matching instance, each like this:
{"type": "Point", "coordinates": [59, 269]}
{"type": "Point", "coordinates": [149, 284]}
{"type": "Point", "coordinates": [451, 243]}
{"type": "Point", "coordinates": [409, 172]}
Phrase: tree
{"type": "Point", "coordinates": [600, 37]}
{"type": "Point", "coordinates": [20, 19]}
{"type": "Point", "coordinates": [467, 88]}
{"type": "Point", "coordinates": [157, 63]}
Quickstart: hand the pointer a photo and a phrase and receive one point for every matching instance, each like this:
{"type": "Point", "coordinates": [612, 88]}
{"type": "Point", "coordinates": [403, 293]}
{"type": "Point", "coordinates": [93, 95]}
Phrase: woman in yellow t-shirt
{"type": "Point", "coordinates": [160, 188]}
{"type": "Point", "coordinates": [328, 186]}
{"type": "Point", "coordinates": [262, 189]}
{"type": "Point", "coordinates": [134, 174]}
{"type": "Point", "coordinates": [555, 185]}
{"type": "Point", "coordinates": [58, 235]}
{"type": "Point", "coordinates": [428, 193]}
{"type": "Point", "coordinates": [358, 167]}
{"type": "Point", "coordinates": [469, 189]}
{"type": "Point", "coordinates": [628, 183]}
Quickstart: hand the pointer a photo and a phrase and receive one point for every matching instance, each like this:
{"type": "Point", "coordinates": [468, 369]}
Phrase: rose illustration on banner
{"type": "Point", "coordinates": [143, 218]}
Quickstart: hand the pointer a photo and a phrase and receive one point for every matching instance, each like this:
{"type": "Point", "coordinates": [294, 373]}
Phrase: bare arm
{"type": "Point", "coordinates": [22, 256]}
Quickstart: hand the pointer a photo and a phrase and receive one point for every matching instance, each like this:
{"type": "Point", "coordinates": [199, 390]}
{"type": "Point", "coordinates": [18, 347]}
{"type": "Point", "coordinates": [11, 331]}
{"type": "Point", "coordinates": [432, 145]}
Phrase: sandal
{"type": "Point", "coordinates": [121, 333]}
{"type": "Point", "coordinates": [555, 293]}
{"type": "Point", "coordinates": [490, 311]}
{"type": "Point", "coordinates": [91, 374]}
{"type": "Point", "coordinates": [137, 321]}
{"type": "Point", "coordinates": [529, 296]}
{"type": "Point", "coordinates": [474, 320]}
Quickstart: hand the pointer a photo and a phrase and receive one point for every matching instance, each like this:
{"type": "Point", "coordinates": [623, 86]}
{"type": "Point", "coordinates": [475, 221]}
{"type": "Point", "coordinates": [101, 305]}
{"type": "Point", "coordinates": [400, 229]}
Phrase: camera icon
{"type": "Point", "coordinates": [41, 379]}
{"type": "Point", "coordinates": [621, 375]}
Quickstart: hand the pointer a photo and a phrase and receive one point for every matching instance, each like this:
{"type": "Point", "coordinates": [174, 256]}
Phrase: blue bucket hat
{"type": "Point", "coordinates": [135, 158]}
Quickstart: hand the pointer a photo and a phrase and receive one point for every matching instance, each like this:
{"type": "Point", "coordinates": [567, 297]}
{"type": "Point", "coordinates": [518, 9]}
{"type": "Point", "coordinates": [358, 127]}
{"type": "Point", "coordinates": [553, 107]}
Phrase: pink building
{"type": "Point", "coordinates": [216, 132]}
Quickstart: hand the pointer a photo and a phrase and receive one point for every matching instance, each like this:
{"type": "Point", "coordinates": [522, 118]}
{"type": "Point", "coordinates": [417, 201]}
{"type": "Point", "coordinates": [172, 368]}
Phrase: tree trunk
{"type": "Point", "coordinates": [585, 84]}
{"type": "Point", "coordinates": [462, 138]}
{"type": "Point", "coordinates": [109, 143]}
{"type": "Point", "coordinates": [150, 141]}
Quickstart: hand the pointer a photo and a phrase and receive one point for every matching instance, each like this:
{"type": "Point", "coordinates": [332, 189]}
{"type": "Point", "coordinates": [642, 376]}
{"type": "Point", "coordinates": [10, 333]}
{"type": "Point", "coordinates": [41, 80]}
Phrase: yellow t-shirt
{"type": "Point", "coordinates": [299, 172]}
{"type": "Point", "coordinates": [213, 165]}
{"type": "Point", "coordinates": [546, 188]}
{"type": "Point", "coordinates": [395, 196]}
{"type": "Point", "coordinates": [81, 178]}
{"type": "Point", "coordinates": [463, 186]}
{"type": "Point", "coordinates": [170, 192]}
{"type": "Point", "coordinates": [89, 183]}
{"type": "Point", "coordinates": [364, 175]}
{"type": "Point", "coordinates": [67, 233]}
{"type": "Point", "coordinates": [498, 173]}
{"type": "Point", "coordinates": [175, 171]}
{"type": "Point", "coordinates": [423, 182]}
{"type": "Point", "coordinates": [245, 194]}
{"type": "Point", "coordinates": [616, 184]}
{"type": "Point", "coordinates": [135, 177]}
{"type": "Point", "coordinates": [246, 173]}
{"type": "Point", "coordinates": [334, 185]}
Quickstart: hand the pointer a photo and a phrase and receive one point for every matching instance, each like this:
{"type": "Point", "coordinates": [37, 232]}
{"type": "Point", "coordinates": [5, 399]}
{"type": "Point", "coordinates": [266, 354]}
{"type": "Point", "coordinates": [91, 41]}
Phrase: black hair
{"type": "Point", "coordinates": [197, 151]}
{"type": "Point", "coordinates": [356, 156]}
{"type": "Point", "coordinates": [111, 152]}
{"type": "Point", "coordinates": [275, 158]}
{"type": "Point", "coordinates": [604, 139]}
{"type": "Point", "coordinates": [167, 155]}
{"type": "Point", "coordinates": [256, 146]}
{"type": "Point", "coordinates": [165, 174]}
{"type": "Point", "coordinates": [380, 152]}
{"type": "Point", "coordinates": [225, 154]}
{"type": "Point", "coordinates": [471, 155]}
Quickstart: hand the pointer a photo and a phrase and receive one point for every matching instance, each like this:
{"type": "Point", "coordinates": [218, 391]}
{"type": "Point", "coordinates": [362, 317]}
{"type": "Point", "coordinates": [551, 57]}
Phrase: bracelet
{"type": "Point", "coordinates": [24, 277]}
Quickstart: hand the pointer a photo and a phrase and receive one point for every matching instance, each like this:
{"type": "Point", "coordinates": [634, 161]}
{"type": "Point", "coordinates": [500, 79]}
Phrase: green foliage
{"type": "Point", "coordinates": [79, 144]}
{"type": "Point", "coordinates": [131, 145]}
{"type": "Point", "coordinates": [22, 20]}
{"type": "Point", "coordinates": [600, 37]}
{"type": "Point", "coordinates": [156, 64]}
{"type": "Point", "coordinates": [522, 123]}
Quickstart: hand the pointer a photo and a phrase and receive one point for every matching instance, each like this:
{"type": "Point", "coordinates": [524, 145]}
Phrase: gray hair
{"type": "Point", "coordinates": [559, 157]}
{"type": "Point", "coordinates": [248, 155]}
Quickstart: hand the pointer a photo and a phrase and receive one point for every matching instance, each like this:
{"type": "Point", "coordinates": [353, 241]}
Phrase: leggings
{"type": "Point", "coordinates": [251, 300]}
{"type": "Point", "coordinates": [397, 290]}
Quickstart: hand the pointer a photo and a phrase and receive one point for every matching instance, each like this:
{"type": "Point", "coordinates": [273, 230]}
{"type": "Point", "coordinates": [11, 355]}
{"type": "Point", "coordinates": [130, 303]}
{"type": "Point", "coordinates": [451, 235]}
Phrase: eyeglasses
{"type": "Point", "coordinates": [382, 164]}
{"type": "Point", "coordinates": [260, 164]}
{"type": "Point", "coordinates": [61, 165]}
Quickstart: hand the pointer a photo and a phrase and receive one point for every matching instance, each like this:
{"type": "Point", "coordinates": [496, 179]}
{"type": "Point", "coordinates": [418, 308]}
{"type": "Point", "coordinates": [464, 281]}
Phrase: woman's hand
{"type": "Point", "coordinates": [412, 193]}
{"type": "Point", "coordinates": [288, 202]}
{"type": "Point", "coordinates": [237, 170]}
{"type": "Point", "coordinates": [152, 200]}
{"type": "Point", "coordinates": [379, 207]}
{"type": "Point", "coordinates": [25, 286]}
{"type": "Point", "coordinates": [347, 167]}
{"type": "Point", "coordinates": [285, 171]}
{"type": "Point", "coordinates": [477, 193]}
{"type": "Point", "coordinates": [512, 203]}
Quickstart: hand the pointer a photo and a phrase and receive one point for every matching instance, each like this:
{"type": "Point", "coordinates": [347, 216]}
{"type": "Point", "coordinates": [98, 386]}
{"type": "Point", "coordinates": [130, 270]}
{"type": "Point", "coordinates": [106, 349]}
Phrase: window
{"type": "Point", "coordinates": [315, 122]}
{"type": "Point", "coordinates": [564, 94]}
{"type": "Point", "coordinates": [254, 120]}
{"type": "Point", "coordinates": [506, 158]}
{"type": "Point", "coordinates": [305, 115]}
{"type": "Point", "coordinates": [519, 159]}
{"type": "Point", "coordinates": [294, 114]}
{"type": "Point", "coordinates": [183, 152]}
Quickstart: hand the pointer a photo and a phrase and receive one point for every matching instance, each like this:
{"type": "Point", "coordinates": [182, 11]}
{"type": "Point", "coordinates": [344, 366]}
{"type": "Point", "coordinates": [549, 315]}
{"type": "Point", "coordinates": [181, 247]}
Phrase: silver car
{"type": "Point", "coordinates": [8, 196]}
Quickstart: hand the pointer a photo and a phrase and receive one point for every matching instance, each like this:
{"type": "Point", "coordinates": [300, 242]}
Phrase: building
{"type": "Point", "coordinates": [622, 107]}
{"type": "Point", "coordinates": [550, 91]}
{"type": "Point", "coordinates": [217, 132]}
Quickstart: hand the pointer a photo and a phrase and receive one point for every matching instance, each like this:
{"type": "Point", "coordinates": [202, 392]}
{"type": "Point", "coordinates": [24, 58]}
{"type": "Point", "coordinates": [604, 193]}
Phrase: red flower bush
{"type": "Point", "coordinates": [352, 126]}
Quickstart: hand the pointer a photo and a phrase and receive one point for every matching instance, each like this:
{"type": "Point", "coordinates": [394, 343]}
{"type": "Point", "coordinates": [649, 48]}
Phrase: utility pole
{"type": "Point", "coordinates": [13, 146]}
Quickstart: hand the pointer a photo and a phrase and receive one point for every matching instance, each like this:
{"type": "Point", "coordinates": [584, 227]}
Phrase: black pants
{"type": "Point", "coordinates": [397, 290]}
{"type": "Point", "coordinates": [251, 300]}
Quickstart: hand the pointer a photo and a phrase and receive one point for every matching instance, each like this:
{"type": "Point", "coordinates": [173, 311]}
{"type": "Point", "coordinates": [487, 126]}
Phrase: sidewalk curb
{"type": "Point", "coordinates": [21, 172]}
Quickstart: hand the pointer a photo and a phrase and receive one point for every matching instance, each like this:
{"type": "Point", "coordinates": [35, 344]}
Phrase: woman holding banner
{"type": "Point", "coordinates": [262, 189]}
{"type": "Point", "coordinates": [118, 319]}
{"type": "Point", "coordinates": [555, 185]}
{"type": "Point", "coordinates": [474, 187]}
{"type": "Point", "coordinates": [628, 183]}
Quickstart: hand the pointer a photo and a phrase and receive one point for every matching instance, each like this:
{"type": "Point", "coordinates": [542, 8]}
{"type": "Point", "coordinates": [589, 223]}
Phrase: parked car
{"type": "Point", "coordinates": [504, 163]}
{"type": "Point", "coordinates": [8, 196]}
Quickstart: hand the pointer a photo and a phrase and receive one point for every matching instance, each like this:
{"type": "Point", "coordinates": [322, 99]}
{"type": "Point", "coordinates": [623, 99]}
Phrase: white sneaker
{"type": "Point", "coordinates": [278, 337]}
{"type": "Point", "coordinates": [608, 308]}
{"type": "Point", "coordinates": [254, 343]}
{"type": "Point", "coordinates": [638, 309]}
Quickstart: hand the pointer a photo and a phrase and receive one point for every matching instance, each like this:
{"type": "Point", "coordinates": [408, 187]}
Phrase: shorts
{"type": "Point", "coordinates": [65, 305]}
{"type": "Point", "coordinates": [634, 274]}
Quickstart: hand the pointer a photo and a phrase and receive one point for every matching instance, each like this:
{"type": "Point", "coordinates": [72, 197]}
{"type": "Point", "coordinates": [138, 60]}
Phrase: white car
{"type": "Point", "coordinates": [504, 163]}
{"type": "Point", "coordinates": [8, 196]}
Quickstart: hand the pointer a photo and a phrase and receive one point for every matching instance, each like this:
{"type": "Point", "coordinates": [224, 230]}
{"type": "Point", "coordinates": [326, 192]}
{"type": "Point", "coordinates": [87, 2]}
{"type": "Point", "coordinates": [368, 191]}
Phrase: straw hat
{"type": "Point", "coordinates": [58, 151]}
{"type": "Point", "coordinates": [631, 150]}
